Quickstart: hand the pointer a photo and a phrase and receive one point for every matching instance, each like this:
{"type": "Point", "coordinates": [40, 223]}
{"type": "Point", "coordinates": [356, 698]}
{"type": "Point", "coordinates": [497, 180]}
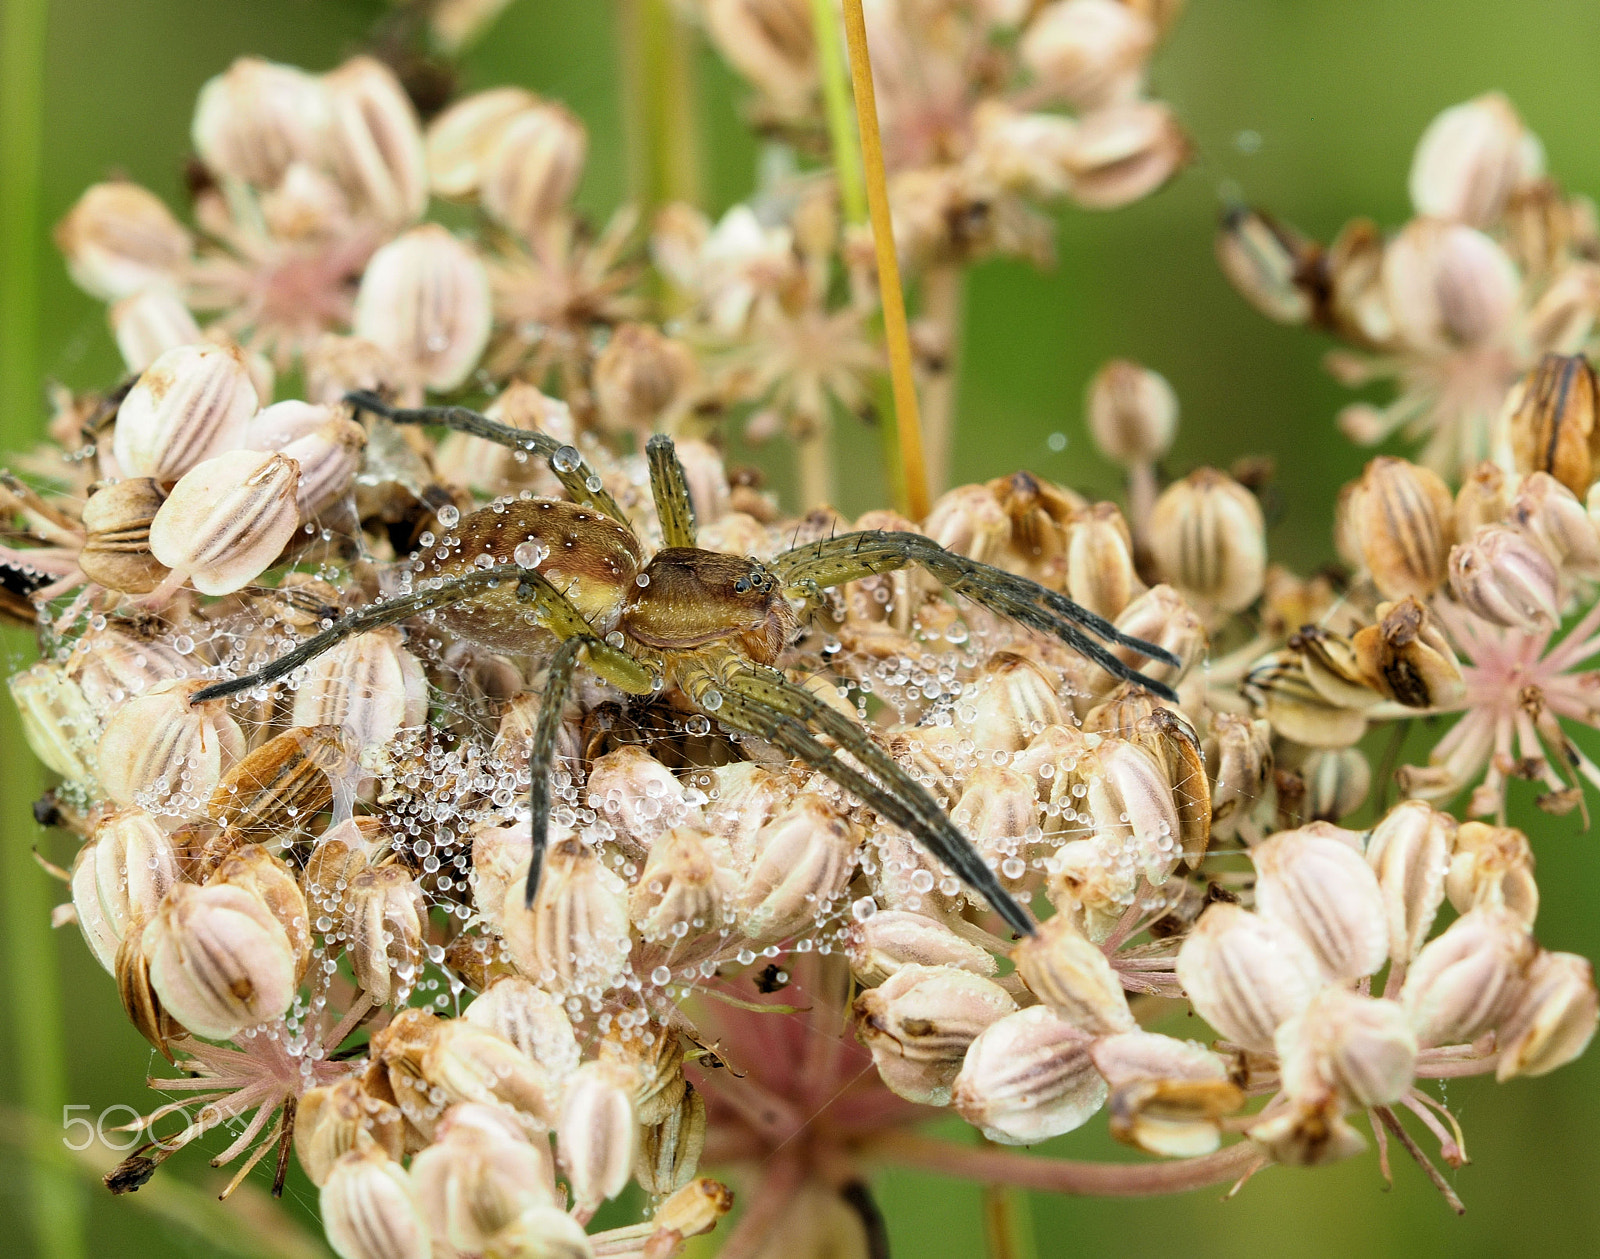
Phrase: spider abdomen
{"type": "Point", "coordinates": [589, 557]}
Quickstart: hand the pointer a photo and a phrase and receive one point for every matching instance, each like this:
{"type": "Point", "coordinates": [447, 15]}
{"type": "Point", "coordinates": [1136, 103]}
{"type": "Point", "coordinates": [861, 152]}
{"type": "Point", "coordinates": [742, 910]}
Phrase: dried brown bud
{"type": "Point", "coordinates": [191, 403]}
{"type": "Point", "coordinates": [1408, 658]}
{"type": "Point", "coordinates": [1132, 412]}
{"type": "Point", "coordinates": [1073, 978]}
{"type": "Point", "coordinates": [116, 549]}
{"type": "Point", "coordinates": [1401, 518]}
{"type": "Point", "coordinates": [1283, 692]}
{"type": "Point", "coordinates": [424, 301]}
{"type": "Point", "coordinates": [284, 783]}
{"type": "Point", "coordinates": [228, 519]}
{"type": "Point", "coordinates": [1208, 539]}
{"type": "Point", "coordinates": [257, 118]}
{"type": "Point", "coordinates": [1553, 1021]}
{"type": "Point", "coordinates": [1493, 866]}
{"type": "Point", "coordinates": [693, 1210]}
{"type": "Point", "coordinates": [1506, 578]}
{"type": "Point", "coordinates": [370, 1210]}
{"type": "Point", "coordinates": [1483, 499]}
{"type": "Point", "coordinates": [375, 141]}
{"type": "Point", "coordinates": [1246, 974]}
{"type": "Point", "coordinates": [1028, 1077]}
{"type": "Point", "coordinates": [119, 239]}
{"type": "Point", "coordinates": [160, 752]}
{"type": "Point", "coordinates": [1548, 424]}
{"type": "Point", "coordinates": [641, 378]}
{"type": "Point", "coordinates": [919, 1023]}
{"type": "Point", "coordinates": [1239, 764]}
{"type": "Point", "coordinates": [1468, 162]}
{"type": "Point", "coordinates": [1465, 982]}
{"type": "Point", "coordinates": [670, 1149]}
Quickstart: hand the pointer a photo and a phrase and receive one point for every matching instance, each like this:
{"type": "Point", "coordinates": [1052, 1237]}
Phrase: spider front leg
{"type": "Point", "coordinates": [756, 700]}
{"type": "Point", "coordinates": [575, 475]}
{"type": "Point", "coordinates": [670, 489]}
{"type": "Point", "coordinates": [833, 561]}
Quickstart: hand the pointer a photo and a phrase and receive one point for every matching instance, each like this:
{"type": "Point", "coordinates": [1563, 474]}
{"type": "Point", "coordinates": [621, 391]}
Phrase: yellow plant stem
{"type": "Point", "coordinates": [908, 423]}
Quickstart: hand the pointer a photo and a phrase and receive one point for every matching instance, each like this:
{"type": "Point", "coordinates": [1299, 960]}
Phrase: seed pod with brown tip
{"type": "Point", "coordinates": [1549, 422]}
{"type": "Point", "coordinates": [119, 239]}
{"type": "Point", "coordinates": [58, 721]}
{"type": "Point", "coordinates": [1360, 1047]}
{"type": "Point", "coordinates": [1408, 659]}
{"type": "Point", "coordinates": [1268, 263]}
{"type": "Point", "coordinates": [190, 404]}
{"type": "Point", "coordinates": [227, 520]}
{"type": "Point", "coordinates": [480, 1174]}
{"type": "Point", "coordinates": [333, 1119]}
{"type": "Point", "coordinates": [919, 1023]}
{"type": "Point", "coordinates": [887, 941]}
{"type": "Point", "coordinates": [160, 752]}
{"type": "Point", "coordinates": [1279, 688]}
{"type": "Point", "coordinates": [1505, 577]}
{"type": "Point", "coordinates": [1169, 1096]}
{"type": "Point", "coordinates": [1028, 1077]}
{"type": "Point", "coordinates": [1552, 515]}
{"type": "Point", "coordinates": [1073, 978]}
{"type": "Point", "coordinates": [251, 868]}
{"type": "Point", "coordinates": [396, 1058]}
{"type": "Point", "coordinates": [116, 549]}
{"type": "Point", "coordinates": [1469, 161]}
{"type": "Point", "coordinates": [1245, 975]}
{"type": "Point", "coordinates": [1099, 571]}
{"type": "Point", "coordinates": [1448, 286]}
{"type": "Point", "coordinates": [464, 1063]}
{"type": "Point", "coordinates": [370, 1210]}
{"type": "Point", "coordinates": [375, 142]}
{"type": "Point", "coordinates": [804, 859]}
{"type": "Point", "coordinates": [1553, 1021]}
{"type": "Point", "coordinates": [284, 783]}
{"type": "Point", "coordinates": [385, 923]}
{"type": "Point", "coordinates": [1401, 518]}
{"type": "Point", "coordinates": [1208, 539]}
{"type": "Point", "coordinates": [1132, 413]}
{"type": "Point", "coordinates": [1323, 890]}
{"type": "Point", "coordinates": [1493, 865]}
{"type": "Point", "coordinates": [575, 938]}
{"type": "Point", "coordinates": [424, 301]}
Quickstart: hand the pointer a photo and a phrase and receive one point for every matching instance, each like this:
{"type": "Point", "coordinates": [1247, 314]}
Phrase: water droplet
{"type": "Point", "coordinates": [642, 580]}
{"type": "Point", "coordinates": [592, 483]}
{"type": "Point", "coordinates": [1057, 442]}
{"type": "Point", "coordinates": [697, 725]}
{"type": "Point", "coordinates": [615, 638]}
{"type": "Point", "coordinates": [530, 554]}
{"type": "Point", "coordinates": [448, 516]}
{"type": "Point", "coordinates": [711, 700]}
{"type": "Point", "coordinates": [864, 908]}
{"type": "Point", "coordinates": [566, 459]}
{"type": "Point", "coordinates": [660, 975]}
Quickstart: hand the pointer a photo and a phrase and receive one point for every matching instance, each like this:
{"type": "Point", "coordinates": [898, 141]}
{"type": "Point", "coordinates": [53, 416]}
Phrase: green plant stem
{"type": "Point", "coordinates": [34, 997]}
{"type": "Point", "coordinates": [943, 293]}
{"type": "Point", "coordinates": [658, 54]}
{"type": "Point", "coordinates": [840, 113]}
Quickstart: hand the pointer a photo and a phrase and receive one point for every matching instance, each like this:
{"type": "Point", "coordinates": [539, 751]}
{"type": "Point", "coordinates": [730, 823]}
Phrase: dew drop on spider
{"type": "Point", "coordinates": [566, 459]}
{"type": "Point", "coordinates": [615, 638]}
{"type": "Point", "coordinates": [712, 700]}
{"type": "Point", "coordinates": [642, 580]}
{"type": "Point", "coordinates": [530, 554]}
{"type": "Point", "coordinates": [592, 483]}
{"type": "Point", "coordinates": [698, 724]}
{"type": "Point", "coordinates": [448, 516]}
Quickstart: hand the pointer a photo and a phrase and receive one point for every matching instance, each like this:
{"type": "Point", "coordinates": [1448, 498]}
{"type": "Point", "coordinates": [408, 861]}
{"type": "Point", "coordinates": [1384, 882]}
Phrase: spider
{"type": "Point", "coordinates": [709, 624]}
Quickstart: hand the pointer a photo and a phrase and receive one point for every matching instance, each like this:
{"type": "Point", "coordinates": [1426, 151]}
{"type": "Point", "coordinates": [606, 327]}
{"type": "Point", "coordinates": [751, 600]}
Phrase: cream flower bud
{"type": "Point", "coordinates": [119, 239]}
{"type": "Point", "coordinates": [1132, 412]}
{"type": "Point", "coordinates": [531, 1019]}
{"type": "Point", "coordinates": [1283, 692]}
{"type": "Point", "coordinates": [1554, 1020]}
{"type": "Point", "coordinates": [970, 521]}
{"type": "Point", "coordinates": [1100, 573]}
{"type": "Point", "coordinates": [885, 942]}
{"type": "Point", "coordinates": [99, 932]}
{"type": "Point", "coordinates": [1493, 865]}
{"type": "Point", "coordinates": [335, 366]}
{"type": "Point", "coordinates": [541, 1233]}
{"type": "Point", "coordinates": [529, 173]}
{"type": "Point", "coordinates": [1246, 974]}
{"type": "Point", "coordinates": [110, 665]}
{"type": "Point", "coordinates": [1028, 1077]}
{"type": "Point", "coordinates": [1160, 616]}
{"type": "Point", "coordinates": [1015, 699]}
{"type": "Point", "coordinates": [638, 796]}
{"type": "Point", "coordinates": [1168, 1096]}
{"type": "Point", "coordinates": [466, 1063]}
{"type": "Point", "coordinates": [251, 868]}
{"type": "Point", "coordinates": [1468, 980]}
{"type": "Point", "coordinates": [370, 1210]}
{"type": "Point", "coordinates": [375, 141]}
{"type": "Point", "coordinates": [1337, 781]}
{"type": "Point", "coordinates": [1468, 162]}
{"type": "Point", "coordinates": [919, 1023]}
{"type": "Point", "coordinates": [158, 748]}
{"type": "Point", "coordinates": [1549, 422]}
{"type": "Point", "coordinates": [385, 922]}
{"type": "Point", "coordinates": [598, 1132]}
{"type": "Point", "coordinates": [1326, 893]}
{"type": "Point", "coordinates": [670, 1150]}
{"type": "Point", "coordinates": [1239, 765]}
{"type": "Point", "coordinates": [59, 723]}
{"type": "Point", "coordinates": [1268, 264]}
{"type": "Point", "coordinates": [1124, 152]}
{"type": "Point", "coordinates": [1087, 51]}
{"type": "Point", "coordinates": [191, 403]}
{"type": "Point", "coordinates": [1401, 517]}
{"type": "Point", "coordinates": [1208, 539]}
{"type": "Point", "coordinates": [1408, 659]}
{"type": "Point", "coordinates": [1073, 978]}
{"type": "Point", "coordinates": [804, 859]}
{"type": "Point", "coordinates": [1506, 578]}
{"type": "Point", "coordinates": [328, 460]}
{"type": "Point", "coordinates": [1023, 152]}
{"type": "Point", "coordinates": [693, 1210]}
{"type": "Point", "coordinates": [999, 811]}
{"type": "Point", "coordinates": [1552, 515]}
{"type": "Point", "coordinates": [1448, 285]}
{"type": "Point", "coordinates": [398, 1049]}
{"type": "Point", "coordinates": [1130, 799]}
{"type": "Point", "coordinates": [770, 42]}
{"type": "Point", "coordinates": [684, 887]}
{"type": "Point", "coordinates": [1358, 1045]}
{"type": "Point", "coordinates": [134, 865]}
{"type": "Point", "coordinates": [334, 1119]}
{"type": "Point", "coordinates": [369, 685]}
{"type": "Point", "coordinates": [219, 960]}
{"type": "Point", "coordinates": [228, 519]}
{"type": "Point", "coordinates": [424, 300]}
{"type": "Point", "coordinates": [641, 378]}
{"type": "Point", "coordinates": [576, 936]}
{"type": "Point", "coordinates": [461, 137]}
{"type": "Point", "coordinates": [255, 119]}
{"type": "Point", "coordinates": [1483, 499]}
{"type": "Point", "coordinates": [478, 1176]}
{"type": "Point", "coordinates": [148, 324]}
{"type": "Point", "coordinates": [1409, 851]}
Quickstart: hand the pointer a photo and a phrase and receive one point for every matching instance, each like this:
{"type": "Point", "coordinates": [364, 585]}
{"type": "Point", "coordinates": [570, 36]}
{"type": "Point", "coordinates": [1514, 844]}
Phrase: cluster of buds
{"type": "Point", "coordinates": [1497, 268]}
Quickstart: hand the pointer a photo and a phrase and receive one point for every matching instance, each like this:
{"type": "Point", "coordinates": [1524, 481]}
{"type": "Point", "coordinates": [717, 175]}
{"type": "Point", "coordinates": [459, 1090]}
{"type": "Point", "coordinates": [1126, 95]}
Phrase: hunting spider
{"type": "Point", "coordinates": [711, 625]}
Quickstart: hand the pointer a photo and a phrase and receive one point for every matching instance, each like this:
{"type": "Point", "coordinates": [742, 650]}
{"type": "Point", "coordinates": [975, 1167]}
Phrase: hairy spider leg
{"type": "Point", "coordinates": [570, 468]}
{"type": "Point", "coordinates": [808, 569]}
{"type": "Point", "coordinates": [670, 489]}
{"type": "Point", "coordinates": [756, 700]}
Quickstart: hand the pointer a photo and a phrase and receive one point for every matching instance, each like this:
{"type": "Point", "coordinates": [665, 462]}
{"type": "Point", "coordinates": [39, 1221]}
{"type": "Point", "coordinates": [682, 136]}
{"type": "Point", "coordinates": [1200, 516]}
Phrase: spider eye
{"type": "Point", "coordinates": [742, 586]}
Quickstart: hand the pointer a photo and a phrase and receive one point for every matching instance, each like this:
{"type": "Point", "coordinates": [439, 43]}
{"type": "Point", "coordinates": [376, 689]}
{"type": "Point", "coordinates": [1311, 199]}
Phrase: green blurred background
{"type": "Point", "coordinates": [1308, 106]}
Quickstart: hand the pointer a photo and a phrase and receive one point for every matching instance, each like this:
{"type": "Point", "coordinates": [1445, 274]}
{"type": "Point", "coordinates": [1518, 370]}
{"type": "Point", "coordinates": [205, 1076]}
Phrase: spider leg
{"type": "Point", "coordinates": [759, 701]}
{"type": "Point", "coordinates": [565, 461]}
{"type": "Point", "coordinates": [670, 489]}
{"type": "Point", "coordinates": [847, 557]}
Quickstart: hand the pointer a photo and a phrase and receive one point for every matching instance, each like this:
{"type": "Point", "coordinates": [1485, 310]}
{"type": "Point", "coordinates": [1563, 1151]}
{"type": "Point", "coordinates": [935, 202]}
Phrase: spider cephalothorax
{"type": "Point", "coordinates": [534, 575]}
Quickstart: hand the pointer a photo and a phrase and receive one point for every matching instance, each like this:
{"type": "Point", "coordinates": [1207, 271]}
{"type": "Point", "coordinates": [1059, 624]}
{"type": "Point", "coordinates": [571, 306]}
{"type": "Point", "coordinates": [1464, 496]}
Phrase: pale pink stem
{"type": "Point", "coordinates": [1391, 1122]}
{"type": "Point", "coordinates": [1029, 1171]}
{"type": "Point", "coordinates": [1572, 648]}
{"type": "Point", "coordinates": [763, 1209]}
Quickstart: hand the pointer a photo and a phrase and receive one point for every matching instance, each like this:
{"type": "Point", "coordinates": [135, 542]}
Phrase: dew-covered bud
{"type": "Point", "coordinates": [575, 938]}
{"type": "Point", "coordinates": [191, 403]}
{"type": "Point", "coordinates": [1208, 539]}
{"type": "Point", "coordinates": [1268, 263]}
{"type": "Point", "coordinates": [1506, 578]}
{"type": "Point", "coordinates": [467, 1063]}
{"type": "Point", "coordinates": [1401, 518]}
{"type": "Point", "coordinates": [999, 811]}
{"type": "Point", "coordinates": [1549, 422]}
{"type": "Point", "coordinates": [100, 933]}
{"type": "Point", "coordinates": [1130, 802]}
{"type": "Point", "coordinates": [1100, 573]}
{"type": "Point", "coordinates": [641, 378]}
{"type": "Point", "coordinates": [1468, 980]}
{"type": "Point", "coordinates": [803, 862]}
{"type": "Point", "coordinates": [1552, 515]}
{"type": "Point", "coordinates": [670, 1149]}
{"type": "Point", "coordinates": [1409, 851]}
{"type": "Point", "coordinates": [1468, 162]}
{"type": "Point", "coordinates": [1168, 1096]}
{"type": "Point", "coordinates": [134, 865]}
{"type": "Point", "coordinates": [919, 1023]}
{"type": "Point", "coordinates": [1246, 974]}
{"type": "Point", "coordinates": [479, 1175]}
{"type": "Point", "coordinates": [684, 886]}
{"type": "Point", "coordinates": [58, 721]}
{"type": "Point", "coordinates": [286, 781]}
{"type": "Point", "coordinates": [529, 173]}
{"type": "Point", "coordinates": [1124, 152]}
{"type": "Point", "coordinates": [251, 868]}
{"type": "Point", "coordinates": [887, 941]}
{"type": "Point", "coordinates": [1028, 1077]}
{"type": "Point", "coordinates": [461, 137]}
{"type": "Point", "coordinates": [1326, 893]}
{"type": "Point", "coordinates": [638, 796]}
{"type": "Point", "coordinates": [653, 1058]}
{"type": "Point", "coordinates": [369, 685]}
{"type": "Point", "coordinates": [110, 665]}
{"type": "Point", "coordinates": [1074, 978]}
{"type": "Point", "coordinates": [597, 1134]}
{"type": "Point", "coordinates": [771, 43]}
{"type": "Point", "coordinates": [531, 1019]}
{"type": "Point", "coordinates": [1360, 1046]}
{"type": "Point", "coordinates": [1448, 286]}
{"type": "Point", "coordinates": [257, 118]}
{"type": "Point", "coordinates": [1408, 658]}
{"type": "Point", "coordinates": [219, 960]}
{"type": "Point", "coordinates": [119, 239]}
{"type": "Point", "coordinates": [160, 752]}
{"type": "Point", "coordinates": [1493, 865]}
{"type": "Point", "coordinates": [1554, 1019]}
{"type": "Point", "coordinates": [1088, 52]}
{"type": "Point", "coordinates": [385, 921]}
{"type": "Point", "coordinates": [375, 142]}
{"type": "Point", "coordinates": [1132, 412]}
{"type": "Point", "coordinates": [333, 1119]}
{"type": "Point", "coordinates": [370, 1210]}
{"type": "Point", "coordinates": [424, 301]}
{"type": "Point", "coordinates": [1014, 699]}
{"type": "Point", "coordinates": [148, 324]}
{"type": "Point", "coordinates": [227, 520]}
{"type": "Point", "coordinates": [1239, 765]}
